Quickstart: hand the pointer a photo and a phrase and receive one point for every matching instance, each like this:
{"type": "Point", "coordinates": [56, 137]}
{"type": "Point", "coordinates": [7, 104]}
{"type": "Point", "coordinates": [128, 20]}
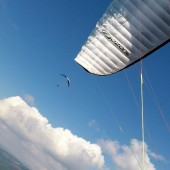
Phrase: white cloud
{"type": "Point", "coordinates": [157, 156]}
{"type": "Point", "coordinates": [30, 138]}
{"type": "Point", "coordinates": [92, 123]}
{"type": "Point", "coordinates": [29, 99]}
{"type": "Point", "coordinates": [127, 157]}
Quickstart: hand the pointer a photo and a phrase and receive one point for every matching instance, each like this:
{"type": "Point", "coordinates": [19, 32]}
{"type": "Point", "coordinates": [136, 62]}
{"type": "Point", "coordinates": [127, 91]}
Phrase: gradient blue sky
{"type": "Point", "coordinates": [39, 39]}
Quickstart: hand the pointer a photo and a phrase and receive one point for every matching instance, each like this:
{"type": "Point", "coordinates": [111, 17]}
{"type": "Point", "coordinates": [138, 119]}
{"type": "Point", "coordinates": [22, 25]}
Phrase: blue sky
{"type": "Point", "coordinates": [39, 41]}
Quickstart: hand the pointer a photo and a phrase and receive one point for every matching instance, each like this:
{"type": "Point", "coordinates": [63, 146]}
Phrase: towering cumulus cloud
{"type": "Point", "coordinates": [30, 138]}
{"type": "Point", "coordinates": [127, 157]}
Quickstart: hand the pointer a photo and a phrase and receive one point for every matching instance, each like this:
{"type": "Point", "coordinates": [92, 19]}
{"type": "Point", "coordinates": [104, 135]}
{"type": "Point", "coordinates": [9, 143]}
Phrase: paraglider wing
{"type": "Point", "coordinates": [68, 80]}
{"type": "Point", "coordinates": [128, 31]}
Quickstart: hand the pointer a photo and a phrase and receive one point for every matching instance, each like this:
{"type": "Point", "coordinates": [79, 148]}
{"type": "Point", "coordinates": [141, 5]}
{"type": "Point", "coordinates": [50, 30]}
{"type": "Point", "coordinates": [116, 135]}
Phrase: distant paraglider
{"type": "Point", "coordinates": [67, 79]}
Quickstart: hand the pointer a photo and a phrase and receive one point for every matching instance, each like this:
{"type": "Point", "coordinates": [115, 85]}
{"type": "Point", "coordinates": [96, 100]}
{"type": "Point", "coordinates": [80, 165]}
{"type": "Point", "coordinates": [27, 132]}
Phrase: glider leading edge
{"type": "Point", "coordinates": [68, 80]}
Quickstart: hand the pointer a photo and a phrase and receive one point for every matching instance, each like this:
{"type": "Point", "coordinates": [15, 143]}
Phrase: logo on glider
{"type": "Point", "coordinates": [116, 43]}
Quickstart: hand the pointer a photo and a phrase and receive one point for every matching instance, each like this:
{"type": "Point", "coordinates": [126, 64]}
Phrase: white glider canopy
{"type": "Point", "coordinates": [128, 30]}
